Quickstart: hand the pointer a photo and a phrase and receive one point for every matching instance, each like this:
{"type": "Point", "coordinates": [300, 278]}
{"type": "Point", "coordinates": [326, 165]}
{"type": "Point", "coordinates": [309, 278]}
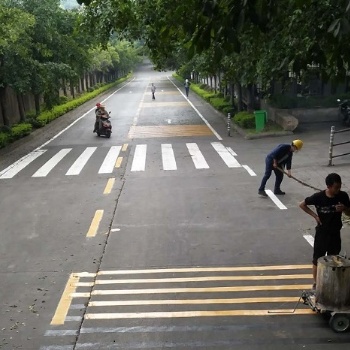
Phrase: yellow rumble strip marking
{"type": "Point", "coordinates": [207, 279]}
{"type": "Point", "coordinates": [199, 290]}
{"type": "Point", "coordinates": [195, 301]}
{"type": "Point", "coordinates": [124, 148]}
{"type": "Point", "coordinates": [178, 314]}
{"type": "Point", "coordinates": [65, 302]}
{"type": "Point", "coordinates": [95, 224]}
{"type": "Point", "coordinates": [206, 269]}
{"type": "Point", "coordinates": [169, 131]}
{"type": "Point", "coordinates": [165, 104]}
{"type": "Point", "coordinates": [109, 186]}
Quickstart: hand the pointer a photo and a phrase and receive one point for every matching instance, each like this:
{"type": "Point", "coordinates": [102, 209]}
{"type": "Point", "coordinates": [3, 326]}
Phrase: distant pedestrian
{"type": "Point", "coordinates": [153, 89]}
{"type": "Point", "coordinates": [329, 204]}
{"type": "Point", "coordinates": [280, 157]}
{"type": "Point", "coordinates": [187, 86]}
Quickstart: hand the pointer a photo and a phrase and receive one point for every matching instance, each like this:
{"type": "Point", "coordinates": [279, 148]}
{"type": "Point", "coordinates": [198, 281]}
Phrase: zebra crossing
{"type": "Point", "coordinates": [166, 152]}
{"type": "Point", "coordinates": [148, 308]}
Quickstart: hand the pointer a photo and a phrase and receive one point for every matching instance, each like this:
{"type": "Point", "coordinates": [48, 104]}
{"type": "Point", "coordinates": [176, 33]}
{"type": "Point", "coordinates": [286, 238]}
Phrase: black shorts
{"type": "Point", "coordinates": [326, 242]}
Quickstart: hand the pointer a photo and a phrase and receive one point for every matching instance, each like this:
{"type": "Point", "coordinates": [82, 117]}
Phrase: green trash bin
{"type": "Point", "coordinates": [260, 119]}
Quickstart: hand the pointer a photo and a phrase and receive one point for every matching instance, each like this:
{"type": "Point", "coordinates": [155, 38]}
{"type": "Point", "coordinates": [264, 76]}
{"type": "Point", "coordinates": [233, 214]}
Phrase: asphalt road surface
{"type": "Point", "coordinates": [155, 238]}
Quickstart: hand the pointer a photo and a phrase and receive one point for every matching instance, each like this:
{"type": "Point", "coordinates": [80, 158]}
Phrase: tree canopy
{"type": "Point", "coordinates": [264, 38]}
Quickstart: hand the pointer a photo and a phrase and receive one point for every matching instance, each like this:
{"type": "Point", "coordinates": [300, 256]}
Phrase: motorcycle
{"type": "Point", "coordinates": [104, 126]}
{"type": "Point", "coordinates": [344, 111]}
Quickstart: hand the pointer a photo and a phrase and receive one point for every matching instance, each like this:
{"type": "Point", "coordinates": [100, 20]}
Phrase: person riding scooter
{"type": "Point", "coordinates": [100, 111]}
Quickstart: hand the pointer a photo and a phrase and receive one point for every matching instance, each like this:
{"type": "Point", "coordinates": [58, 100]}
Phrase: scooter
{"type": "Point", "coordinates": [344, 111]}
{"type": "Point", "coordinates": [104, 126]}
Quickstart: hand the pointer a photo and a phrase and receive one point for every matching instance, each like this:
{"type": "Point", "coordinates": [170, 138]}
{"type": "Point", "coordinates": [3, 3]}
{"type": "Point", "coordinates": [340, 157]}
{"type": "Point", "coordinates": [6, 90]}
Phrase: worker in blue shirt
{"type": "Point", "coordinates": [280, 157]}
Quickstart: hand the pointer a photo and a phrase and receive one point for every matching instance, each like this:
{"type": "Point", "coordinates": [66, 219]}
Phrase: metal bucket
{"type": "Point", "coordinates": [333, 283]}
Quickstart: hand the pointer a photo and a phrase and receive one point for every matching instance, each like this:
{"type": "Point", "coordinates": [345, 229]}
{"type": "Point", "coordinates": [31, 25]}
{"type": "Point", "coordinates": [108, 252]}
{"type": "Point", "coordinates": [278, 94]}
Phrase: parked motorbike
{"type": "Point", "coordinates": [344, 111]}
{"type": "Point", "coordinates": [104, 126]}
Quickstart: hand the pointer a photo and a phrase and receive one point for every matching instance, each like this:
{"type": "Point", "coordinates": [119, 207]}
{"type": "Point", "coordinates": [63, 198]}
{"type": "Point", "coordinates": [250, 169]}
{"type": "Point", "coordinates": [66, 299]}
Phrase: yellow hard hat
{"type": "Point", "coordinates": [298, 144]}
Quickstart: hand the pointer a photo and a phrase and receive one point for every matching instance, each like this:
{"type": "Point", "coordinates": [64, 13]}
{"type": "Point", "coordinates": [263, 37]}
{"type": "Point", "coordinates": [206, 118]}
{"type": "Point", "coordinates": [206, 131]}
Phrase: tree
{"type": "Point", "coordinates": [15, 30]}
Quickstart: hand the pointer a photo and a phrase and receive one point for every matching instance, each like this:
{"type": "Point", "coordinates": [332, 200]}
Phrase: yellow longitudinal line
{"type": "Point", "coordinates": [95, 223]}
{"type": "Point", "coordinates": [206, 279]}
{"type": "Point", "coordinates": [195, 301]}
{"type": "Point", "coordinates": [200, 290]}
{"type": "Point", "coordinates": [206, 269]}
{"type": "Point", "coordinates": [65, 301]}
{"type": "Point", "coordinates": [182, 314]}
{"type": "Point", "coordinates": [125, 146]}
{"type": "Point", "coordinates": [118, 162]}
{"type": "Point", "coordinates": [109, 186]}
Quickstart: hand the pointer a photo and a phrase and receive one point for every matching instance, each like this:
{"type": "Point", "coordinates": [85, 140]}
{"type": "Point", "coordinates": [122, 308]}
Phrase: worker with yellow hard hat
{"type": "Point", "coordinates": [280, 157]}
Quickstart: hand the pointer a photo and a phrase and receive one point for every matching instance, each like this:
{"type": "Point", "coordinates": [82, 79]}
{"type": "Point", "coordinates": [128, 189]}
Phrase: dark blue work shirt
{"type": "Point", "coordinates": [283, 155]}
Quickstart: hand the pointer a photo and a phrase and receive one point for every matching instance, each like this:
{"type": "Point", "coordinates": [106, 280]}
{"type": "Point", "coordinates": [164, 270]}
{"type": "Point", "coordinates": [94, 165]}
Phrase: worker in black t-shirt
{"type": "Point", "coordinates": [329, 205]}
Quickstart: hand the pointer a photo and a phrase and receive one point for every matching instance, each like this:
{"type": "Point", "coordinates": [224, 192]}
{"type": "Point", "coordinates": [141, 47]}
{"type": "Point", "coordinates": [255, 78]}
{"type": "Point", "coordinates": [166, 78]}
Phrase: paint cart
{"type": "Point", "coordinates": [332, 295]}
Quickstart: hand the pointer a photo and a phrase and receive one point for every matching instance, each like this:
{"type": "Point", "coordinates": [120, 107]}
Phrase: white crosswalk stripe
{"type": "Point", "coordinates": [49, 165]}
{"type": "Point", "coordinates": [139, 161]}
{"type": "Point", "coordinates": [79, 164]}
{"type": "Point", "coordinates": [226, 155]}
{"type": "Point", "coordinates": [109, 162]}
{"type": "Point", "coordinates": [172, 158]}
{"type": "Point", "coordinates": [16, 167]}
{"type": "Point", "coordinates": [197, 157]}
{"type": "Point", "coordinates": [169, 162]}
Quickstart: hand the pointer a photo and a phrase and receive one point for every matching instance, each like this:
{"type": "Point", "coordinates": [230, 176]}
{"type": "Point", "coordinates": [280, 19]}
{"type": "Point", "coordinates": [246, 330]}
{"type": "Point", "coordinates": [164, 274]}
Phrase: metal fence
{"type": "Point", "coordinates": [332, 144]}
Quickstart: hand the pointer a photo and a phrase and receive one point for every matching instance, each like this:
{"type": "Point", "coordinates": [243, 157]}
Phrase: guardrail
{"type": "Point", "coordinates": [332, 144]}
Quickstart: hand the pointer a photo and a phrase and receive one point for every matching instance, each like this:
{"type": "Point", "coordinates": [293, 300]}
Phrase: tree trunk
{"type": "Point", "coordinates": [239, 98]}
{"type": "Point", "coordinates": [64, 87]}
{"type": "Point", "coordinates": [21, 107]}
{"type": "Point", "coordinates": [250, 99]}
{"type": "Point", "coordinates": [72, 91]}
{"type": "Point", "coordinates": [37, 104]}
{"type": "Point", "coordinates": [3, 103]}
{"type": "Point", "coordinates": [232, 93]}
{"type": "Point", "coordinates": [82, 82]}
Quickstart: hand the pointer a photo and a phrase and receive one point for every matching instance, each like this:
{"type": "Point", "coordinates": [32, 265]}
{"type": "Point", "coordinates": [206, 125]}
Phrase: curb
{"type": "Point", "coordinates": [248, 136]}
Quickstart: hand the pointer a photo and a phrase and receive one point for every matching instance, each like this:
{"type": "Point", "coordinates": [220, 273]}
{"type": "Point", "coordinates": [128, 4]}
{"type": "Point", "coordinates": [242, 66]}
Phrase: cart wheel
{"type": "Point", "coordinates": [339, 323]}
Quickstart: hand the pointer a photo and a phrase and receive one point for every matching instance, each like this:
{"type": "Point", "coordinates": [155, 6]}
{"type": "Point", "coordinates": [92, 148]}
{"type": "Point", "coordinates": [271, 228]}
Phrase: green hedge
{"type": "Point", "coordinates": [16, 132]}
{"type": "Point", "coordinates": [245, 120]}
{"type": "Point", "coordinates": [8, 135]}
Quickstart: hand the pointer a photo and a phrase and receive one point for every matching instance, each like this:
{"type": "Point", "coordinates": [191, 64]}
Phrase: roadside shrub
{"type": "Point", "coordinates": [63, 99]}
{"type": "Point", "coordinates": [20, 130]}
{"type": "Point", "coordinates": [4, 139]}
{"type": "Point", "coordinates": [5, 129]}
{"type": "Point", "coordinates": [219, 103]}
{"type": "Point", "coordinates": [245, 120]}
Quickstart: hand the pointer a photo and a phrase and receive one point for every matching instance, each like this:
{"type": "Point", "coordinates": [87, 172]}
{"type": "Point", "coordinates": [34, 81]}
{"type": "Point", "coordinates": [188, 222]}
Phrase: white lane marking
{"type": "Point", "coordinates": [250, 171]}
{"type": "Point", "coordinates": [79, 164]}
{"type": "Point", "coordinates": [108, 164]}
{"type": "Point", "coordinates": [200, 115]}
{"type": "Point", "coordinates": [168, 158]}
{"type": "Point", "coordinates": [232, 151]}
{"type": "Point", "coordinates": [225, 155]}
{"type": "Point", "coordinates": [73, 318]}
{"type": "Point", "coordinates": [276, 200]}
{"type": "Point", "coordinates": [197, 156]}
{"type": "Point", "coordinates": [50, 164]}
{"type": "Point", "coordinates": [310, 239]}
{"type": "Point", "coordinates": [57, 347]}
{"type": "Point", "coordinates": [20, 164]}
{"type": "Point", "coordinates": [60, 333]}
{"type": "Point", "coordinates": [139, 161]}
